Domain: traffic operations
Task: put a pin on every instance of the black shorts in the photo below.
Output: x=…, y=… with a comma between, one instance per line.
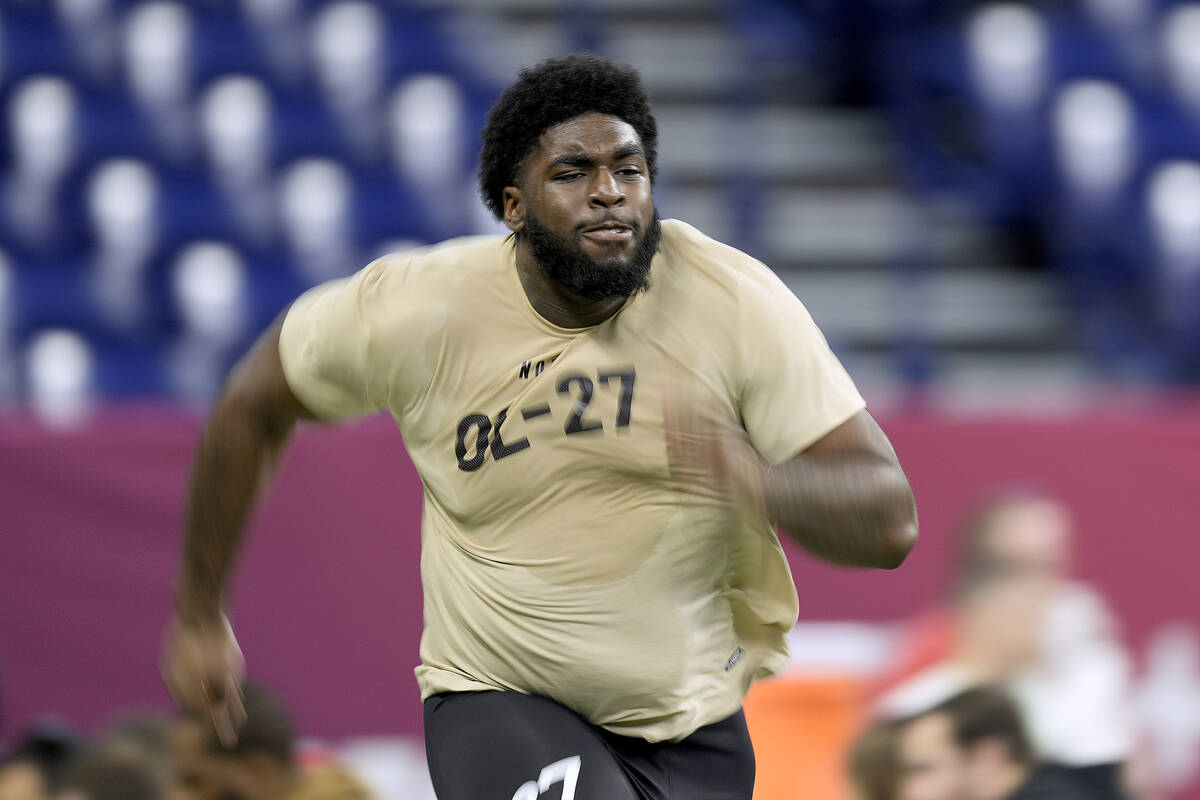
x=510, y=746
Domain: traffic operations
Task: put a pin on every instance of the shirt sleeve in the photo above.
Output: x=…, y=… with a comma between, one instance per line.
x=324, y=346
x=794, y=389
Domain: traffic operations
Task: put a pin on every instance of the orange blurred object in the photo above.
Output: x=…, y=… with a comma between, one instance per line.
x=802, y=728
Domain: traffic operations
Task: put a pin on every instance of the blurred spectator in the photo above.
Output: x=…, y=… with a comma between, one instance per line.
x=1168, y=704
x=145, y=733
x=974, y=747
x=330, y=783
x=196, y=776
x=1016, y=618
x=872, y=762
x=115, y=770
x=34, y=769
x=261, y=766
x=21, y=780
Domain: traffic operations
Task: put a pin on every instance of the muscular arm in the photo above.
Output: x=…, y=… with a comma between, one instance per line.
x=238, y=451
x=846, y=499
x=242, y=441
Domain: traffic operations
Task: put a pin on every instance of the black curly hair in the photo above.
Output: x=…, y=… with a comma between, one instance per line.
x=554, y=91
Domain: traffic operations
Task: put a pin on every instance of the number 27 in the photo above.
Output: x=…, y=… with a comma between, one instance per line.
x=576, y=423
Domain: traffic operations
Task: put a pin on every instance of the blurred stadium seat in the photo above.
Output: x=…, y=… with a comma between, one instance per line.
x=61, y=374
x=1099, y=93
x=208, y=287
x=315, y=201
x=235, y=124
x=944, y=148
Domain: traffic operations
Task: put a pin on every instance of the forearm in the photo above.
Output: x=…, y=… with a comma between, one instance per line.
x=850, y=508
x=234, y=460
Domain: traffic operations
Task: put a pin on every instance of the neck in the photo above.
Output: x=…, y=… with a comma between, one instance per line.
x=554, y=302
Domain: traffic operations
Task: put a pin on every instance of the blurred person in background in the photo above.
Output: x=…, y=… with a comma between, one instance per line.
x=974, y=747
x=609, y=415
x=34, y=768
x=1017, y=618
x=262, y=765
x=21, y=780
x=872, y=762
x=145, y=733
x=196, y=773
x=116, y=769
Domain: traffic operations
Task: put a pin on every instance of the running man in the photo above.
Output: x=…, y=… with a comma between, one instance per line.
x=609, y=415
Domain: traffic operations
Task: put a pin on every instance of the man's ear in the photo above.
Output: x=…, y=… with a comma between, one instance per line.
x=514, y=209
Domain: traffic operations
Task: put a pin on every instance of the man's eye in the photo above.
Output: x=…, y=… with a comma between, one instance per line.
x=629, y=171
x=568, y=176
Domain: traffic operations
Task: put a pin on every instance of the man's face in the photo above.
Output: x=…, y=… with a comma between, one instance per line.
x=585, y=204
x=1033, y=537
x=931, y=765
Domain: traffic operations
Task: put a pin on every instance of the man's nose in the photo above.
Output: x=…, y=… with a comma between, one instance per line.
x=606, y=192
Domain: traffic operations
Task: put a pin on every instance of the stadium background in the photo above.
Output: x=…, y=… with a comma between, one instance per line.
x=992, y=210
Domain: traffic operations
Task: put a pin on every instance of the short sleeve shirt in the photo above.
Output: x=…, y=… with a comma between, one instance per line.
x=560, y=555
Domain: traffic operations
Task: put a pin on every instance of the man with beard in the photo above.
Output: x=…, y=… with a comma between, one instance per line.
x=609, y=415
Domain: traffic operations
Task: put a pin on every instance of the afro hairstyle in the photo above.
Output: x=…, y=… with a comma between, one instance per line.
x=553, y=92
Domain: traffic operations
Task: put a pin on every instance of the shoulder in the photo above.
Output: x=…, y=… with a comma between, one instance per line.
x=452, y=261
x=696, y=258
x=404, y=281
x=689, y=248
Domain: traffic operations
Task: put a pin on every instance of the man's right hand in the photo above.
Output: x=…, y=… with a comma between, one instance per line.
x=203, y=668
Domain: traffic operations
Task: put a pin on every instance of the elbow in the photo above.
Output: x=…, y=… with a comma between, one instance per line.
x=900, y=530
x=899, y=540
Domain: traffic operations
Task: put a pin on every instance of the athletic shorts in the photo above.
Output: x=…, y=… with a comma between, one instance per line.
x=510, y=746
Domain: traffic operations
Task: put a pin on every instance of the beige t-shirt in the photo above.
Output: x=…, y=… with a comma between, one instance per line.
x=559, y=556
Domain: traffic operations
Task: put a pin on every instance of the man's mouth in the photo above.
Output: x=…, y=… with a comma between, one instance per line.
x=609, y=232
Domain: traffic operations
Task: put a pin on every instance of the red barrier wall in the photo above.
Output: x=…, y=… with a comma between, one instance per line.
x=328, y=604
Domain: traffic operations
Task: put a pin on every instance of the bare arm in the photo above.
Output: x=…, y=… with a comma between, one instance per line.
x=846, y=499
x=241, y=444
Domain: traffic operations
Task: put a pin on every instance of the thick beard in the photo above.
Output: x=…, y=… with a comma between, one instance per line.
x=566, y=263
